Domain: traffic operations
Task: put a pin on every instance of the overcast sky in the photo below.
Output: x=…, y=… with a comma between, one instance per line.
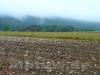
x=77, y=9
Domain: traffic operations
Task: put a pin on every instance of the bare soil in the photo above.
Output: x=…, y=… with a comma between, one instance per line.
x=27, y=56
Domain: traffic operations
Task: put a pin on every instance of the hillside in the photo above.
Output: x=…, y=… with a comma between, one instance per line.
x=55, y=24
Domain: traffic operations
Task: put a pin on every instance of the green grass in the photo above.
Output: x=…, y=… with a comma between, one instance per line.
x=56, y=35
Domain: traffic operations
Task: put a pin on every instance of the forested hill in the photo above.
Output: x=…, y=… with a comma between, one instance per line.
x=55, y=24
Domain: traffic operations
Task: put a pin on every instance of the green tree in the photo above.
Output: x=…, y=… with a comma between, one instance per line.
x=6, y=28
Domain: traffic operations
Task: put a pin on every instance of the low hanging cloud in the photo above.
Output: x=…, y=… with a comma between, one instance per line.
x=78, y=9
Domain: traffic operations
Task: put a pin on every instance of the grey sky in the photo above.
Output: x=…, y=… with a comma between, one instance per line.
x=77, y=9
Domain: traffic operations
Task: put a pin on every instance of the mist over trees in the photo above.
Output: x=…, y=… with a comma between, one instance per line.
x=48, y=24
